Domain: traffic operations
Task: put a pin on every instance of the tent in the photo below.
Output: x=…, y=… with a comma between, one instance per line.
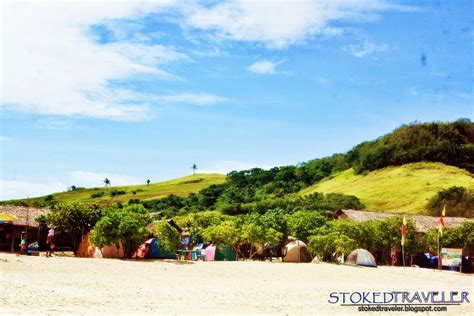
x=220, y=252
x=88, y=250
x=296, y=251
x=150, y=250
x=361, y=257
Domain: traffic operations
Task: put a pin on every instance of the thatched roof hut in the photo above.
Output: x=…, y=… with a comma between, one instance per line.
x=423, y=222
x=25, y=215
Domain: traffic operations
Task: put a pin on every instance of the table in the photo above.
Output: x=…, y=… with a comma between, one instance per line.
x=182, y=254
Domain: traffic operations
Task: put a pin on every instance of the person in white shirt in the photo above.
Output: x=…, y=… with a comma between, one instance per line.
x=50, y=242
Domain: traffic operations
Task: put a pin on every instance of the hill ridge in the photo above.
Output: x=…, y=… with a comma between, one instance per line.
x=396, y=189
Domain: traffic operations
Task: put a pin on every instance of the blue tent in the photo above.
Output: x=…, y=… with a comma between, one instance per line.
x=150, y=250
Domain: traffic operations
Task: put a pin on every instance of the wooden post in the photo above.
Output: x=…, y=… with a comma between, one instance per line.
x=26, y=228
x=440, y=264
x=403, y=255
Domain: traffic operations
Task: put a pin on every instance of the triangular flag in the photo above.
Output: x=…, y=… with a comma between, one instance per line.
x=441, y=221
x=404, y=230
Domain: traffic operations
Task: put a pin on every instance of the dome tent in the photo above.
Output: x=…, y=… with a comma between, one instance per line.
x=361, y=257
x=296, y=251
x=220, y=252
x=88, y=250
x=150, y=250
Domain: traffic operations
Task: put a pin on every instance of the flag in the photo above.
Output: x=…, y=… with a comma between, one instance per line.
x=441, y=221
x=404, y=230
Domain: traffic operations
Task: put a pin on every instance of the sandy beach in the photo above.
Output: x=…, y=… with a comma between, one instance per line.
x=65, y=285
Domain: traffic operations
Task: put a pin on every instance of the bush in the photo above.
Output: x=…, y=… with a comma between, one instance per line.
x=97, y=194
x=126, y=226
x=378, y=236
x=459, y=201
x=117, y=192
x=168, y=238
x=303, y=224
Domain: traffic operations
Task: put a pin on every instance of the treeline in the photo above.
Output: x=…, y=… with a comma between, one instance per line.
x=228, y=200
x=449, y=143
x=459, y=201
x=251, y=235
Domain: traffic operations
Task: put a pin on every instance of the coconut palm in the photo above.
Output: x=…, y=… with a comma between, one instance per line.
x=194, y=167
x=107, y=182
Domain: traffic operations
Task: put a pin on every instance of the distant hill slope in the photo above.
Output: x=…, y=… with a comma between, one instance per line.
x=401, y=189
x=181, y=187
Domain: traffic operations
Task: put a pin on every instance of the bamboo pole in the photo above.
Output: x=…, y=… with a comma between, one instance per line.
x=403, y=255
x=440, y=265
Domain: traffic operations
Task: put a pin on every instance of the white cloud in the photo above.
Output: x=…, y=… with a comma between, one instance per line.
x=21, y=188
x=366, y=48
x=18, y=189
x=224, y=167
x=55, y=124
x=5, y=139
x=282, y=23
x=53, y=66
x=263, y=67
x=193, y=98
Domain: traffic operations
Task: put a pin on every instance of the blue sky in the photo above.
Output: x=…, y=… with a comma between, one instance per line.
x=134, y=91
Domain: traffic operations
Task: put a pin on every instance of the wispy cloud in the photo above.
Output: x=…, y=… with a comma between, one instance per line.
x=17, y=189
x=193, y=98
x=5, y=139
x=366, y=48
x=264, y=67
x=55, y=124
x=23, y=188
x=279, y=24
x=55, y=67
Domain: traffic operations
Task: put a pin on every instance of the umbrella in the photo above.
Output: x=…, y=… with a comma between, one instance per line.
x=4, y=217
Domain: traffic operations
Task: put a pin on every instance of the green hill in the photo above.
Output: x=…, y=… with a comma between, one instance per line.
x=181, y=187
x=401, y=189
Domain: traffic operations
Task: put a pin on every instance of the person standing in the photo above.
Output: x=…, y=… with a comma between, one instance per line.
x=23, y=244
x=50, y=242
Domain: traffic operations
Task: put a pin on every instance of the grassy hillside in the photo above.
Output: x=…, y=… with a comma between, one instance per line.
x=402, y=189
x=181, y=187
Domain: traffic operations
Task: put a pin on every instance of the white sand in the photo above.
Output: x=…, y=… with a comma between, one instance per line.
x=61, y=285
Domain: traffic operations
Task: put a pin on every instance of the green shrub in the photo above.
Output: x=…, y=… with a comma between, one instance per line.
x=459, y=201
x=97, y=194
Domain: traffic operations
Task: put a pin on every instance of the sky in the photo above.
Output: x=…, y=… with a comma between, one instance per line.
x=133, y=90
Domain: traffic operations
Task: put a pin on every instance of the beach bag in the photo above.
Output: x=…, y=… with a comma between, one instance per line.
x=51, y=246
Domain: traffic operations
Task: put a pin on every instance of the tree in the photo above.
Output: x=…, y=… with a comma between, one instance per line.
x=302, y=224
x=259, y=237
x=194, y=167
x=459, y=201
x=73, y=219
x=122, y=227
x=331, y=246
x=148, y=182
x=168, y=238
x=107, y=182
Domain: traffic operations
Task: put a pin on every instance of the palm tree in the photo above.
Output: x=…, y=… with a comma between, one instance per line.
x=107, y=182
x=194, y=167
x=148, y=182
